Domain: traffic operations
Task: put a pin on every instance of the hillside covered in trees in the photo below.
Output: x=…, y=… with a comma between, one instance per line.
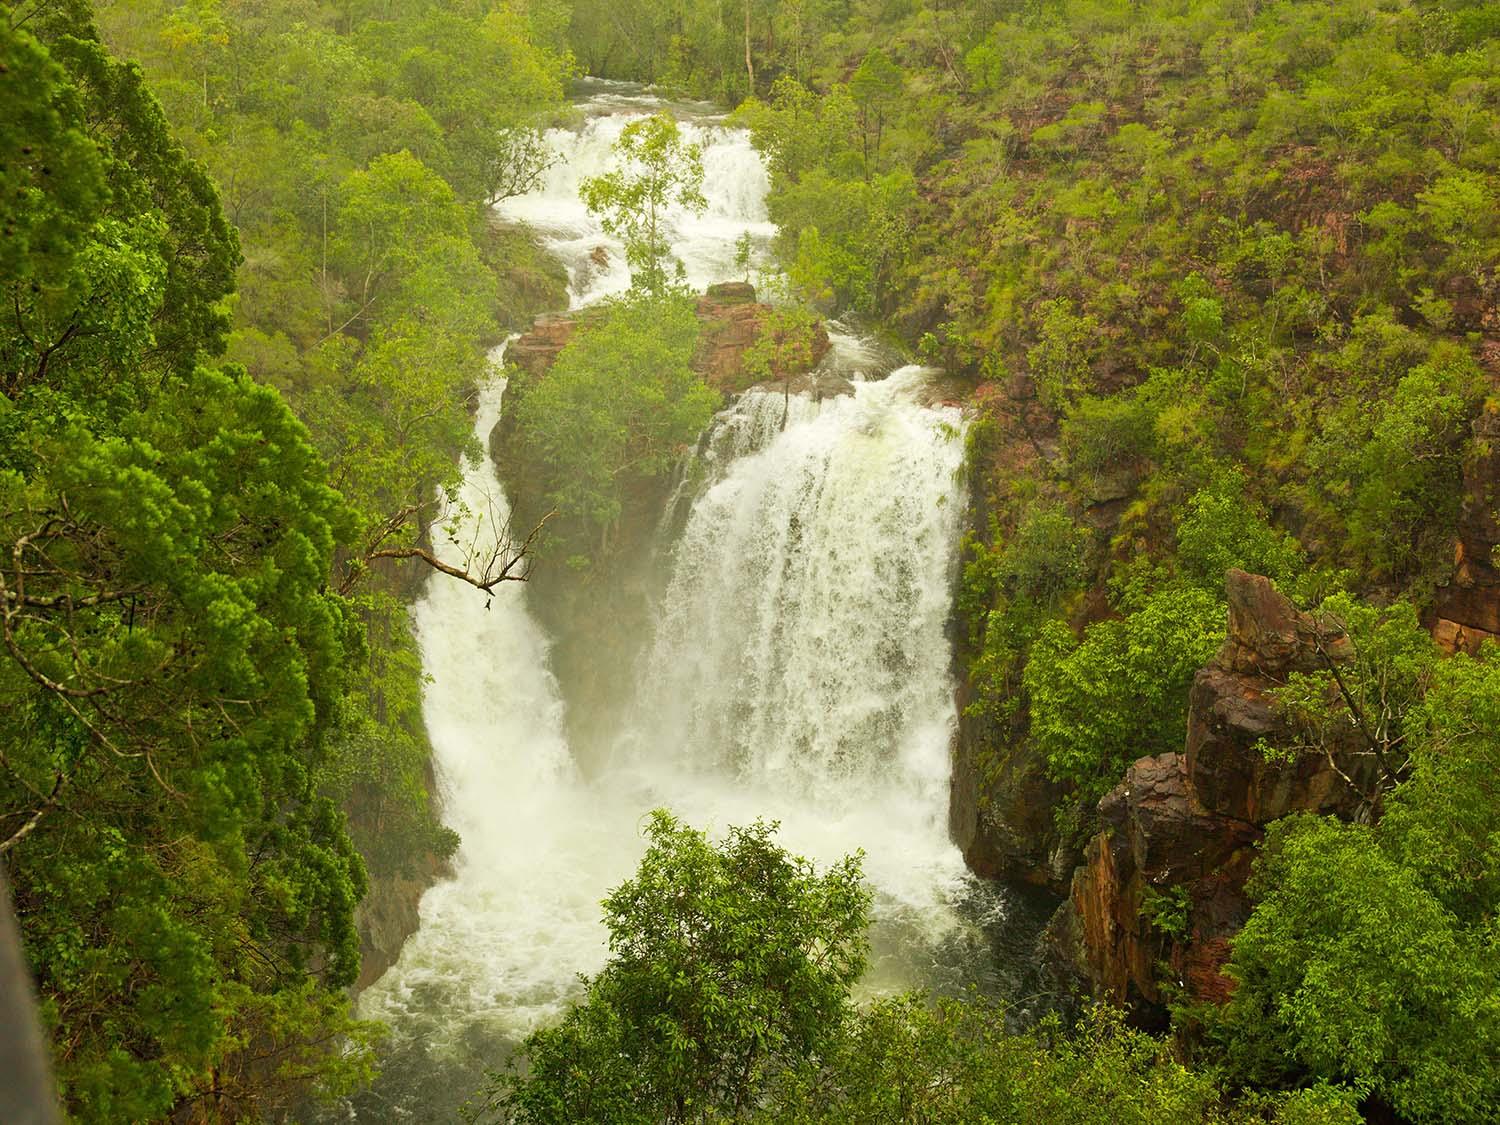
x=1217, y=287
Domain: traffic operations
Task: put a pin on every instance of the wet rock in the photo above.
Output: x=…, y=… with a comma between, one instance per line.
x=818, y=384
x=388, y=915
x=1269, y=636
x=1001, y=818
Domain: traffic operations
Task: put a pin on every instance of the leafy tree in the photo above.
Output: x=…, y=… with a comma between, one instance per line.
x=615, y=409
x=875, y=87
x=956, y=1062
x=729, y=962
x=1121, y=693
x=1369, y=690
x=632, y=202
x=1350, y=969
x=1370, y=956
x=1221, y=531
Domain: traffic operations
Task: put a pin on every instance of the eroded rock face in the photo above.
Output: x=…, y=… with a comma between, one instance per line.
x=535, y=351
x=1001, y=818
x=1468, y=608
x=1183, y=826
x=732, y=322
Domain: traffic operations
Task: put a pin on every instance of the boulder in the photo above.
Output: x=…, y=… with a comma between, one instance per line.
x=731, y=293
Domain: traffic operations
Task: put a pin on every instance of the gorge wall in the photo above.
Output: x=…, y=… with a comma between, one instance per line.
x=1179, y=832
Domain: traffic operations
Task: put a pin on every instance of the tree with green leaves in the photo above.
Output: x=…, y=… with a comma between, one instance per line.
x=729, y=962
x=727, y=998
x=616, y=409
x=660, y=171
x=1121, y=692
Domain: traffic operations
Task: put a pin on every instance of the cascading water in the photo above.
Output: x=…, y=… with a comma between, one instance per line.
x=799, y=672
x=800, y=665
x=734, y=184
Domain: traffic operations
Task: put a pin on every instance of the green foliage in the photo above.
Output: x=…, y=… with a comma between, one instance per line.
x=660, y=170
x=727, y=998
x=955, y=1062
x=167, y=695
x=1169, y=911
x=187, y=700
x=1120, y=693
x=1351, y=969
x=786, y=340
x=1368, y=693
x=1221, y=531
x=729, y=963
x=615, y=409
x=1370, y=958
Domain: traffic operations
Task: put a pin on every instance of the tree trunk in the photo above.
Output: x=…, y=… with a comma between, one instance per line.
x=749, y=63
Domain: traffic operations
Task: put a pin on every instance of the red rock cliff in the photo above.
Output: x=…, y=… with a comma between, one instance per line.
x=1181, y=828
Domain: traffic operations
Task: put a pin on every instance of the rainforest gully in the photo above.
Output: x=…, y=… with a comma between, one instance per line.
x=776, y=560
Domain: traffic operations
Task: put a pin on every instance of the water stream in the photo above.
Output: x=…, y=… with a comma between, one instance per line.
x=799, y=671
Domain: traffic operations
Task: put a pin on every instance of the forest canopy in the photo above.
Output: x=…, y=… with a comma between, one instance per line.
x=1217, y=284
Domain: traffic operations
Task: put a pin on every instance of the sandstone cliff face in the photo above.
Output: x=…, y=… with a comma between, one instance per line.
x=1181, y=828
x=1468, y=608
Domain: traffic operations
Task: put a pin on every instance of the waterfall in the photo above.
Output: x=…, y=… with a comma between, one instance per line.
x=799, y=672
x=501, y=942
x=800, y=665
x=735, y=184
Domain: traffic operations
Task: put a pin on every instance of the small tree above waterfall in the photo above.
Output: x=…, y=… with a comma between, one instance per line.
x=658, y=169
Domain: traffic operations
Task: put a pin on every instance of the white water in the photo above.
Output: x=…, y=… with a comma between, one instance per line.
x=734, y=183
x=799, y=672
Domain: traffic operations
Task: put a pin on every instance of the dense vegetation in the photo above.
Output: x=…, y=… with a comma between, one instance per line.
x=1223, y=278
x=222, y=426
x=726, y=998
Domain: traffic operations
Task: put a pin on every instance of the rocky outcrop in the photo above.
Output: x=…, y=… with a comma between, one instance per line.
x=385, y=918
x=1468, y=607
x=1001, y=817
x=1162, y=884
x=535, y=350
x=731, y=322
